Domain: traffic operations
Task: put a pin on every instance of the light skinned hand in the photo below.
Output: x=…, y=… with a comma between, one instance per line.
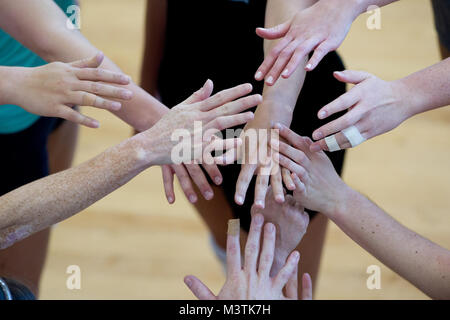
x=53, y=89
x=251, y=280
x=291, y=222
x=177, y=128
x=374, y=107
x=320, y=28
x=318, y=186
x=189, y=173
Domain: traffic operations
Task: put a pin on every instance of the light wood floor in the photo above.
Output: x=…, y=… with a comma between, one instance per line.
x=134, y=245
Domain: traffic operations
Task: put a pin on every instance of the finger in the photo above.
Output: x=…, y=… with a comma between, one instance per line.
x=275, y=32
x=228, y=157
x=252, y=245
x=271, y=57
x=341, y=140
x=69, y=114
x=277, y=185
x=200, y=180
x=220, y=145
x=291, y=137
x=306, y=287
x=321, y=51
x=96, y=74
x=300, y=189
x=88, y=99
x=286, y=174
x=233, y=247
x=262, y=182
x=167, y=174
x=268, y=250
x=213, y=172
x=225, y=96
x=225, y=122
x=347, y=120
x=91, y=62
x=294, y=154
x=245, y=176
x=352, y=76
x=283, y=59
x=104, y=90
x=292, y=285
x=293, y=167
x=185, y=182
x=286, y=272
x=344, y=102
x=299, y=55
x=199, y=290
x=235, y=107
x=201, y=94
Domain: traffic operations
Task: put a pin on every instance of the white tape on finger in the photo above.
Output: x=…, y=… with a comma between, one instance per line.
x=353, y=136
x=332, y=143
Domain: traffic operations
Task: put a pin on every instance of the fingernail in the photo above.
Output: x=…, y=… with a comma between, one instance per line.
x=269, y=80
x=170, y=199
x=270, y=227
x=318, y=135
x=116, y=105
x=126, y=94
x=315, y=147
x=259, y=203
x=285, y=72
x=291, y=186
x=188, y=282
x=239, y=200
x=295, y=255
x=95, y=124
x=279, y=199
x=192, y=199
x=125, y=79
x=258, y=219
x=322, y=114
x=258, y=75
x=208, y=195
x=308, y=66
x=218, y=180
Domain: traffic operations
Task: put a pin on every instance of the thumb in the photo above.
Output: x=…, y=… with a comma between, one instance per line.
x=93, y=62
x=274, y=32
x=202, y=94
x=198, y=288
x=351, y=76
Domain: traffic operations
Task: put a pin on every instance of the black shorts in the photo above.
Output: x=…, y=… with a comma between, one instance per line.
x=216, y=39
x=24, y=154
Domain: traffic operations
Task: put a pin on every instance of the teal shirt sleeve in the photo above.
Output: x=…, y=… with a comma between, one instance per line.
x=13, y=54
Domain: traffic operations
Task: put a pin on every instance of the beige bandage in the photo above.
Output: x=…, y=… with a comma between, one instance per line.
x=233, y=227
x=332, y=143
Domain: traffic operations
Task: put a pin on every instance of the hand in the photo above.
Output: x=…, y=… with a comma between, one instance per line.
x=317, y=185
x=257, y=159
x=375, y=107
x=252, y=281
x=291, y=222
x=186, y=134
x=320, y=28
x=52, y=90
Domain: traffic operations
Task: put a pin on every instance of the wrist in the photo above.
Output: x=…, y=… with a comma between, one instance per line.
x=410, y=100
x=10, y=79
x=271, y=112
x=344, y=200
x=144, y=148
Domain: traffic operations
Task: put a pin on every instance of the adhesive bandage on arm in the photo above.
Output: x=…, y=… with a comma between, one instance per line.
x=353, y=136
x=332, y=143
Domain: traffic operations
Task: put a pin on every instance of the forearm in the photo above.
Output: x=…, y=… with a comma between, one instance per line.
x=53, y=41
x=42, y=203
x=281, y=98
x=154, y=43
x=426, y=89
x=361, y=6
x=422, y=262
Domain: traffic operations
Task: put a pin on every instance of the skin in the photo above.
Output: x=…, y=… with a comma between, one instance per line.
x=291, y=222
x=420, y=261
x=252, y=280
x=42, y=203
x=52, y=90
x=320, y=28
x=377, y=106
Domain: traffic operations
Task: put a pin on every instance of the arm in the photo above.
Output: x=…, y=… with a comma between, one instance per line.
x=42, y=203
x=321, y=28
x=53, y=41
x=318, y=187
x=378, y=106
x=278, y=105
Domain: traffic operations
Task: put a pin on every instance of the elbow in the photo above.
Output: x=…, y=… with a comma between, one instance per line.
x=9, y=236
